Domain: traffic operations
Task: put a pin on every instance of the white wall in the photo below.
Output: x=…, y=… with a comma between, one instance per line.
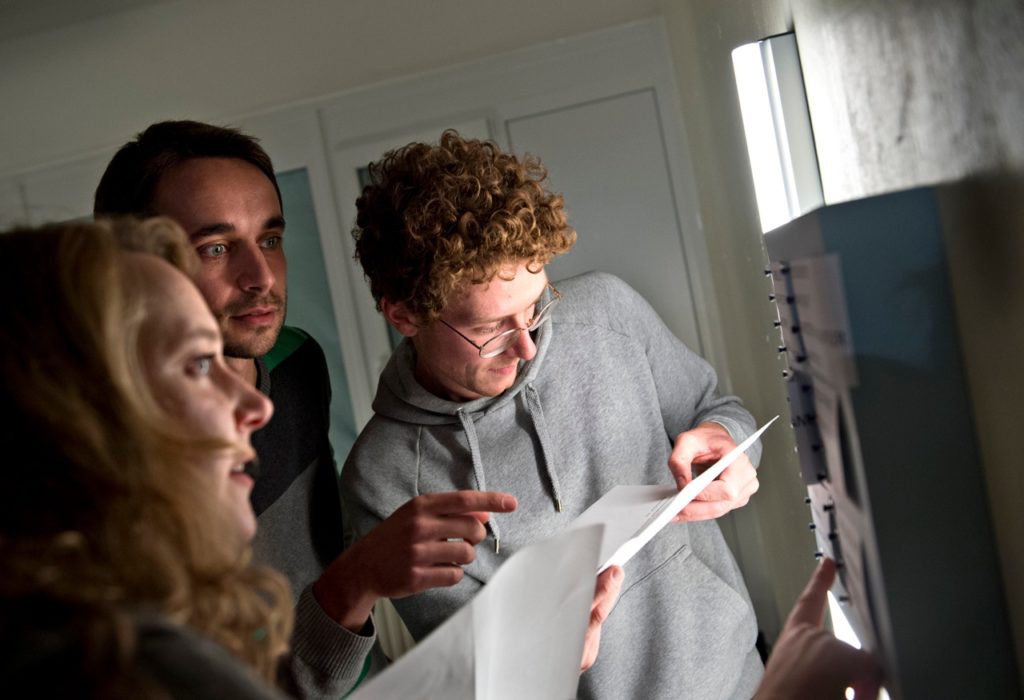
x=91, y=86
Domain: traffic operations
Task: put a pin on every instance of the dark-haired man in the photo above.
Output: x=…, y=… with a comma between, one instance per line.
x=219, y=184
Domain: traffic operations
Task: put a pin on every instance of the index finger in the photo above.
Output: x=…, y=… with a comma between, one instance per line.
x=460, y=502
x=810, y=606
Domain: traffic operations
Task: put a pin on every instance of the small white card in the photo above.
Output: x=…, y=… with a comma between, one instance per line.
x=632, y=515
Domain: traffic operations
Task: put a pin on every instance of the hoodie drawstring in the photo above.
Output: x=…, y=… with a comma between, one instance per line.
x=536, y=413
x=533, y=407
x=478, y=471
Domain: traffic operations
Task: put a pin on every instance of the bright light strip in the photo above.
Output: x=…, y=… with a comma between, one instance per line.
x=760, y=130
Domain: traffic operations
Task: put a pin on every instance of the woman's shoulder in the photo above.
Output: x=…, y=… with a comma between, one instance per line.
x=188, y=665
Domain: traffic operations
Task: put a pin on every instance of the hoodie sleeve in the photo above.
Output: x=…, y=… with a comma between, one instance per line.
x=686, y=383
x=379, y=476
x=326, y=660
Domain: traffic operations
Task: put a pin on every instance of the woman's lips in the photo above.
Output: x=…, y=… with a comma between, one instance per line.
x=242, y=479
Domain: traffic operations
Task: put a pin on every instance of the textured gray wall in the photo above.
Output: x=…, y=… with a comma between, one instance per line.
x=902, y=93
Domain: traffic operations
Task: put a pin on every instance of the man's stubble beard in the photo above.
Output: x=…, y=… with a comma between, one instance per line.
x=260, y=341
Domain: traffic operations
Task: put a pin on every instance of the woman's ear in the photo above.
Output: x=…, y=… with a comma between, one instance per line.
x=400, y=318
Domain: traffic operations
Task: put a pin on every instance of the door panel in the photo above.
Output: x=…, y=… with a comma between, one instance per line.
x=309, y=299
x=608, y=158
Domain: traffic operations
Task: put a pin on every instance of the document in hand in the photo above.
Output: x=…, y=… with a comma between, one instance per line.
x=632, y=515
x=520, y=637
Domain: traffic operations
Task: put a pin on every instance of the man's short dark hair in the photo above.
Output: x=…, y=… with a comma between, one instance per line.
x=131, y=178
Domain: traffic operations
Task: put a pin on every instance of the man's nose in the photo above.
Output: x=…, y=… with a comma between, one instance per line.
x=524, y=347
x=253, y=270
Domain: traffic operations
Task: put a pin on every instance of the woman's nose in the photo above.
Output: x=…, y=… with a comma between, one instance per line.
x=252, y=409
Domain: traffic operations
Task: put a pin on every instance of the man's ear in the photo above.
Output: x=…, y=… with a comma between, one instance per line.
x=401, y=319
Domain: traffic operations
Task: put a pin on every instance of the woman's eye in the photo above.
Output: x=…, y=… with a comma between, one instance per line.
x=201, y=366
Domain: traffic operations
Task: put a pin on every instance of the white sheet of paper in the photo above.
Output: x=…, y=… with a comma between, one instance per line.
x=632, y=515
x=520, y=637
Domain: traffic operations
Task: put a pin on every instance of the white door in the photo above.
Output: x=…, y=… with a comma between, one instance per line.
x=608, y=159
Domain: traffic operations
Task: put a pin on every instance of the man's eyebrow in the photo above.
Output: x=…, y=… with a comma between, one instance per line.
x=274, y=222
x=211, y=230
x=502, y=318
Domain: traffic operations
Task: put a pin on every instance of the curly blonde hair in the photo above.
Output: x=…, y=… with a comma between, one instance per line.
x=434, y=217
x=111, y=517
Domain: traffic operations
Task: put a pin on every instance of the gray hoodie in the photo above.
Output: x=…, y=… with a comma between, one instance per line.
x=599, y=405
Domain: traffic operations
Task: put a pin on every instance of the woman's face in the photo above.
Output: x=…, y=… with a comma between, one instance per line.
x=182, y=354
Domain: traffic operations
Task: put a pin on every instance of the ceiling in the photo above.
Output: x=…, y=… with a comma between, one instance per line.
x=20, y=18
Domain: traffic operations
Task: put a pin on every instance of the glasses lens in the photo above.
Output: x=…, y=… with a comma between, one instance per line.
x=499, y=343
x=543, y=315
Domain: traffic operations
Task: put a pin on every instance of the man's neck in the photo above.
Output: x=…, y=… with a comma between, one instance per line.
x=245, y=367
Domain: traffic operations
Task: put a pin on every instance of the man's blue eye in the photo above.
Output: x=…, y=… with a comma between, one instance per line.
x=214, y=250
x=272, y=242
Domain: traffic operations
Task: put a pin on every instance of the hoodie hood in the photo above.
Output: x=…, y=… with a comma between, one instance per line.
x=401, y=397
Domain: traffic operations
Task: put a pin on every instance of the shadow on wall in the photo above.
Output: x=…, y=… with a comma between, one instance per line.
x=984, y=224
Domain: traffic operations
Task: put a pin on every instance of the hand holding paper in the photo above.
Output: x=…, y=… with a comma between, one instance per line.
x=606, y=594
x=703, y=446
x=522, y=636
x=632, y=515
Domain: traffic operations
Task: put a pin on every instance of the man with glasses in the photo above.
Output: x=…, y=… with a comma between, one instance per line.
x=556, y=396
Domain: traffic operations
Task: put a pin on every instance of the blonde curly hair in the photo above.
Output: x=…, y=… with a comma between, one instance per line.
x=434, y=217
x=112, y=517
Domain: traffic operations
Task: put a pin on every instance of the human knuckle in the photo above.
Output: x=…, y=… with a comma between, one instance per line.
x=418, y=505
x=418, y=554
x=419, y=530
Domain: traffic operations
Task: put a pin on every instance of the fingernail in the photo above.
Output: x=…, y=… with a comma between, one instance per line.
x=616, y=574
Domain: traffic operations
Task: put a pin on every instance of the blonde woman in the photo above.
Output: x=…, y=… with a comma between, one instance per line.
x=124, y=536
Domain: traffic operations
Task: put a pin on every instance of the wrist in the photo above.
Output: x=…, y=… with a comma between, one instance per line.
x=717, y=427
x=344, y=594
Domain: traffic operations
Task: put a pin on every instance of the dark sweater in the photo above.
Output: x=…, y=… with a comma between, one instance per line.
x=296, y=495
x=299, y=512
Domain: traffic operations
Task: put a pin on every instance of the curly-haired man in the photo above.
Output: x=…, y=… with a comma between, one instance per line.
x=552, y=394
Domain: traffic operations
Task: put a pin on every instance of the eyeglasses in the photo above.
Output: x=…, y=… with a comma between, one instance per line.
x=504, y=340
